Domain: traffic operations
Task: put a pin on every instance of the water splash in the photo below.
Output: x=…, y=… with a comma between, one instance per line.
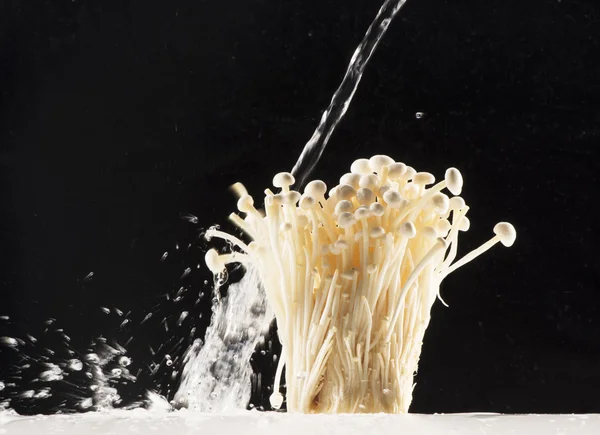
x=345, y=92
x=217, y=375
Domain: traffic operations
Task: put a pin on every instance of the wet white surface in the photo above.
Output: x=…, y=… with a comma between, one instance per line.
x=183, y=422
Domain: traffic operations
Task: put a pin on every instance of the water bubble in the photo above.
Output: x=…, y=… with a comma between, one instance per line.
x=124, y=361
x=124, y=323
x=86, y=403
x=31, y=338
x=118, y=312
x=419, y=115
x=387, y=391
x=147, y=317
x=2, y=386
x=75, y=365
x=89, y=375
x=164, y=256
x=105, y=310
x=88, y=277
x=301, y=375
x=9, y=342
x=93, y=387
x=4, y=318
x=116, y=372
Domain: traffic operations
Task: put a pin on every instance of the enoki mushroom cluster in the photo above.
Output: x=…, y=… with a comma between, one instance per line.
x=351, y=277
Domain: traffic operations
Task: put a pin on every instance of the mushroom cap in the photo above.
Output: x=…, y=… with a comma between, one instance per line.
x=377, y=162
x=283, y=179
x=454, y=181
x=316, y=188
x=213, y=261
x=506, y=232
x=346, y=219
x=245, y=204
x=408, y=230
x=396, y=170
x=360, y=166
x=423, y=178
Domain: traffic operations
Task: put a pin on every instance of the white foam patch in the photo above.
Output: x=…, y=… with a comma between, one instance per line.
x=185, y=422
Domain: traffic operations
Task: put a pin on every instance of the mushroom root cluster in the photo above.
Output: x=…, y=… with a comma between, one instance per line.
x=351, y=275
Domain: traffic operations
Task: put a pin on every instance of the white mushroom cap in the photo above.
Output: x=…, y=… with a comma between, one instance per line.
x=408, y=230
x=307, y=202
x=365, y=196
x=343, y=206
x=423, y=178
x=377, y=209
x=346, y=219
x=360, y=166
x=351, y=179
x=276, y=400
x=393, y=198
x=362, y=212
x=377, y=162
x=370, y=181
x=345, y=191
x=440, y=202
x=245, y=204
x=396, y=170
x=506, y=232
x=283, y=180
x=464, y=224
x=214, y=262
x=454, y=181
x=316, y=188
x=291, y=198
x=456, y=203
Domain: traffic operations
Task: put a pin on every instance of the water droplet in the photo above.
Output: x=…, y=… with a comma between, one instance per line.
x=189, y=217
x=182, y=317
x=301, y=375
x=124, y=361
x=27, y=394
x=387, y=391
x=185, y=273
x=75, y=365
x=8, y=341
x=42, y=394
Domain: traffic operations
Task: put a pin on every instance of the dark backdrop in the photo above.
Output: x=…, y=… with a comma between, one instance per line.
x=118, y=118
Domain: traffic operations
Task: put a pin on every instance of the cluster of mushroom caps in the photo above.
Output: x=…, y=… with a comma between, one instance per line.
x=351, y=275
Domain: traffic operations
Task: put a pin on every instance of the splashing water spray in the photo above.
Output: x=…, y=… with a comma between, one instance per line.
x=351, y=275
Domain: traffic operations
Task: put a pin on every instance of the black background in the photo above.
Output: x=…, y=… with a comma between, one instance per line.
x=118, y=116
